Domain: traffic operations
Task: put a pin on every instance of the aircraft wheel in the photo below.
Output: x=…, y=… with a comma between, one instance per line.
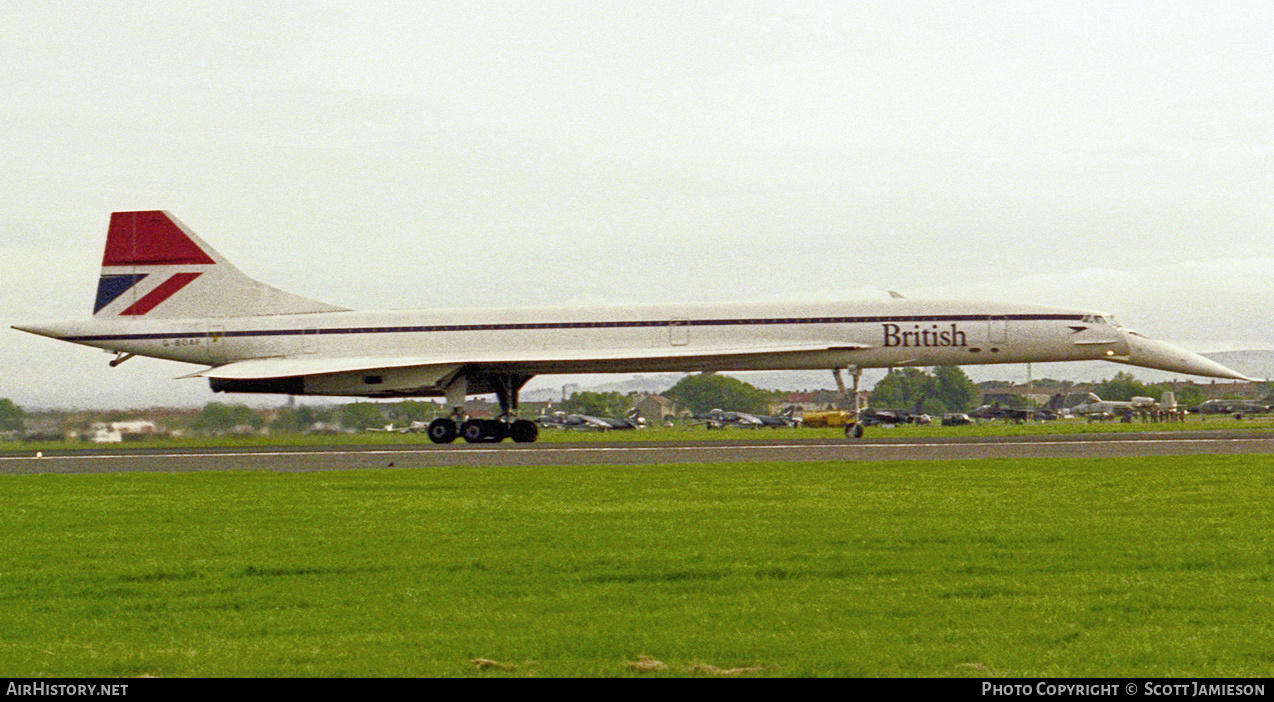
x=524, y=431
x=854, y=431
x=473, y=431
x=495, y=430
x=442, y=431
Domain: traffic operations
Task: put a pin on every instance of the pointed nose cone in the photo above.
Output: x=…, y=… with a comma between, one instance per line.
x=55, y=331
x=65, y=331
x=1149, y=353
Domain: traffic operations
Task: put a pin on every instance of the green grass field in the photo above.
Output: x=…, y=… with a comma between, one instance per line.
x=1121, y=567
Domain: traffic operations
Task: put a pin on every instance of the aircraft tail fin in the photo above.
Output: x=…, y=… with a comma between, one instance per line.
x=154, y=267
x=1056, y=402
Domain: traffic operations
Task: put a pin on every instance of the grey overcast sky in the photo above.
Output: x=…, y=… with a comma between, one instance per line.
x=1107, y=155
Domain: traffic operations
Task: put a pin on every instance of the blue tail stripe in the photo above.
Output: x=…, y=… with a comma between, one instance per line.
x=110, y=287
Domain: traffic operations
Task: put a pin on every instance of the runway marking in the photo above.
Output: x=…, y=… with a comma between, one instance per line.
x=613, y=449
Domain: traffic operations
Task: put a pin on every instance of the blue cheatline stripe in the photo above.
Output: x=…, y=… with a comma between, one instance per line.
x=110, y=287
x=893, y=319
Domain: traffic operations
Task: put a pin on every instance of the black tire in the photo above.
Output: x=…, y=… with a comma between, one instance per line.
x=442, y=431
x=524, y=431
x=472, y=431
x=495, y=430
x=854, y=431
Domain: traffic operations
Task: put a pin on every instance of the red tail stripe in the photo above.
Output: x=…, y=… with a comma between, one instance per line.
x=149, y=239
x=165, y=290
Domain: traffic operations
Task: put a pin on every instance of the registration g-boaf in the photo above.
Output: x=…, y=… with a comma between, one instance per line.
x=165, y=293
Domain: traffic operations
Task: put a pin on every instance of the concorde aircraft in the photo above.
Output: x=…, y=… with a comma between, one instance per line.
x=165, y=293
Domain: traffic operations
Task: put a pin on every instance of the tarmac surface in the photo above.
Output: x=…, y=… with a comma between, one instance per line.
x=296, y=459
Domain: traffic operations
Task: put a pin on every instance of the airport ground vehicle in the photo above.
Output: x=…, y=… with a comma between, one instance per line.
x=828, y=418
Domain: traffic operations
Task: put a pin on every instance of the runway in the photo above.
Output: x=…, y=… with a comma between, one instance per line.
x=550, y=454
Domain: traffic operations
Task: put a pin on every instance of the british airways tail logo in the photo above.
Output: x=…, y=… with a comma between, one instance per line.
x=111, y=286
x=145, y=239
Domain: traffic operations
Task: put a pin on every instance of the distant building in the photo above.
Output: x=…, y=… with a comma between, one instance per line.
x=535, y=408
x=114, y=432
x=481, y=408
x=102, y=433
x=1217, y=389
x=653, y=408
x=41, y=427
x=812, y=400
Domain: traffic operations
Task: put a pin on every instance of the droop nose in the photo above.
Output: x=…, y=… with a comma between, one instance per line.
x=1150, y=353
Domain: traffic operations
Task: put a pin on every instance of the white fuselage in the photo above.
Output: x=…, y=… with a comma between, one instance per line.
x=639, y=339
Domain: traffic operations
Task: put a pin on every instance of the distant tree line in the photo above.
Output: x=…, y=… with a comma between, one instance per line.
x=597, y=404
x=11, y=416
x=947, y=389
x=218, y=417
x=1124, y=386
x=705, y=392
x=298, y=419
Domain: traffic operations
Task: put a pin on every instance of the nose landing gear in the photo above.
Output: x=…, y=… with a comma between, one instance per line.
x=854, y=429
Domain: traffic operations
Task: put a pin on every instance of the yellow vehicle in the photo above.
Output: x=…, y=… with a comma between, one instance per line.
x=830, y=418
x=835, y=418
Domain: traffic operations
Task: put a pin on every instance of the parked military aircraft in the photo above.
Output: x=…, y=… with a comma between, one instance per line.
x=165, y=293
x=1018, y=415
x=631, y=420
x=1097, y=407
x=716, y=419
x=585, y=422
x=1232, y=407
x=556, y=420
x=787, y=418
x=746, y=419
x=872, y=417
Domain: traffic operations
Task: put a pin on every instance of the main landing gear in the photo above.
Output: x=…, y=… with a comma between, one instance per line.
x=477, y=431
x=444, y=430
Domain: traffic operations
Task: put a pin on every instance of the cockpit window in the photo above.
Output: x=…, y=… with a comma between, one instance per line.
x=1103, y=319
